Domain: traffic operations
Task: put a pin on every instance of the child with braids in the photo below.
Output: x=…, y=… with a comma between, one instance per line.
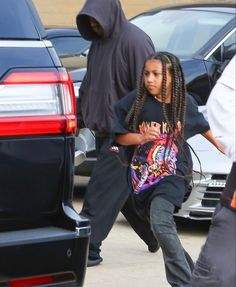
x=154, y=123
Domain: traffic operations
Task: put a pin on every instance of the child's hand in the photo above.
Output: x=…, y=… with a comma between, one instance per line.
x=148, y=135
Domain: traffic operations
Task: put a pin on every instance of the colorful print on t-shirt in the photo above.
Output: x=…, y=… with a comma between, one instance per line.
x=154, y=160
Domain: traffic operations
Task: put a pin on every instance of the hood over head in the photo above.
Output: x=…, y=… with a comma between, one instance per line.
x=108, y=13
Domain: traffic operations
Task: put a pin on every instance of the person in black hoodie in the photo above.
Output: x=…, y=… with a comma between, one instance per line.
x=115, y=60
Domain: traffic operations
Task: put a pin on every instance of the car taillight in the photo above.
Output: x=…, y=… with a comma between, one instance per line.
x=46, y=280
x=37, y=102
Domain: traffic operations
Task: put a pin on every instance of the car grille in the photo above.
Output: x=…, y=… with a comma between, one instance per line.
x=211, y=195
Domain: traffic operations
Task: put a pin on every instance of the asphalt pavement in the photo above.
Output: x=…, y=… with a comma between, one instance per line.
x=126, y=260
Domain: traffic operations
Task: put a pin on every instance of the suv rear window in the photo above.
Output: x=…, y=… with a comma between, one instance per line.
x=20, y=25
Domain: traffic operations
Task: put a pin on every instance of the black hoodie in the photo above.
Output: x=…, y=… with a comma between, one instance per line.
x=114, y=62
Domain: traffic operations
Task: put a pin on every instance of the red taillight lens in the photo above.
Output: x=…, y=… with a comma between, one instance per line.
x=37, y=102
x=29, y=282
x=22, y=77
x=47, y=280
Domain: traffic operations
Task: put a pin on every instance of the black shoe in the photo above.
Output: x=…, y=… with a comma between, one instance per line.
x=94, y=261
x=153, y=248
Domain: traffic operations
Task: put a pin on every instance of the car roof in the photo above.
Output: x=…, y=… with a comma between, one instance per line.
x=53, y=32
x=211, y=7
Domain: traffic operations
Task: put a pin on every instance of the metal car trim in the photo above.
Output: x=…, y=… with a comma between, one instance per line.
x=24, y=44
x=83, y=231
x=48, y=43
x=200, y=209
x=218, y=45
x=80, y=157
x=210, y=198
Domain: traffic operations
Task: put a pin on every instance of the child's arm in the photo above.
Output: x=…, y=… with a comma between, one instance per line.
x=137, y=138
x=209, y=136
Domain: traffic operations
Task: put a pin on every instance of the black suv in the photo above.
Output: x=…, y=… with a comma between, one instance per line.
x=43, y=241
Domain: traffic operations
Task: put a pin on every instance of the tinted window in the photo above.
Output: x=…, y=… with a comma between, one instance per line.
x=17, y=20
x=69, y=45
x=182, y=32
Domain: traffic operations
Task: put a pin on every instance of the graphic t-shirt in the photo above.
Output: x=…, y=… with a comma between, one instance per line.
x=161, y=167
x=153, y=161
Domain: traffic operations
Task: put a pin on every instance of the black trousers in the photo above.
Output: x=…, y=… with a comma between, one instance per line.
x=107, y=194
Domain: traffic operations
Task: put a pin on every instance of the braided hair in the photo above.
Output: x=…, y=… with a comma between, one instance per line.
x=175, y=119
x=178, y=94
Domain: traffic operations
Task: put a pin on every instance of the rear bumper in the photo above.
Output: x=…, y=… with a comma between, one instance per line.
x=49, y=250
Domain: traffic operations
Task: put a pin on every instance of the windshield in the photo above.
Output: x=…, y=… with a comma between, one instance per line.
x=181, y=32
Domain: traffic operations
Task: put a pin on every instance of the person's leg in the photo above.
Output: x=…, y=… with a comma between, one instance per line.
x=216, y=264
x=140, y=225
x=177, y=261
x=106, y=193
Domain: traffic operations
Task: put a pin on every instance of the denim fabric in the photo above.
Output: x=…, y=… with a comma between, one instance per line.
x=178, y=263
x=216, y=265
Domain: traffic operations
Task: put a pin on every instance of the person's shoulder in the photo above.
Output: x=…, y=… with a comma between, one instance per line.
x=191, y=104
x=190, y=100
x=134, y=33
x=128, y=99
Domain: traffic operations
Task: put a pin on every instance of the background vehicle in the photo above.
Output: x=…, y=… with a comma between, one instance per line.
x=43, y=241
x=203, y=37
x=69, y=45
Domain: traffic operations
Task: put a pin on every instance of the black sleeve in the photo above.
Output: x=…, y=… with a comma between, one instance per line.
x=139, y=56
x=121, y=109
x=195, y=123
x=80, y=122
x=139, y=47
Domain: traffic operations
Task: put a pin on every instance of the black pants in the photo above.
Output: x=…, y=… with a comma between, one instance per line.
x=107, y=194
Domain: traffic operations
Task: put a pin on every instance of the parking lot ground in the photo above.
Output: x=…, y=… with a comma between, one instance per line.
x=126, y=260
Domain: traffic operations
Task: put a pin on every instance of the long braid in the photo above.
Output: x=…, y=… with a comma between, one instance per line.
x=131, y=120
x=164, y=92
x=178, y=100
x=178, y=95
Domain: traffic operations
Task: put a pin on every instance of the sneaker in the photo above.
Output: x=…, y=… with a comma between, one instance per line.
x=94, y=261
x=153, y=247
